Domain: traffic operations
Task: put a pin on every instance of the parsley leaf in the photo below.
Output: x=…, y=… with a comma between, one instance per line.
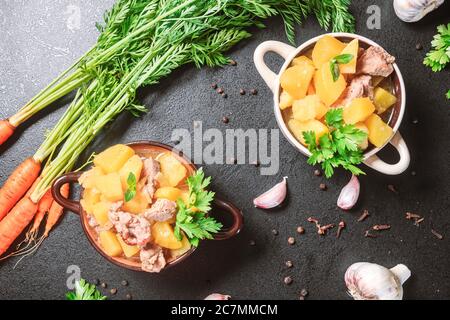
x=192, y=218
x=131, y=190
x=340, y=148
x=334, y=64
x=84, y=291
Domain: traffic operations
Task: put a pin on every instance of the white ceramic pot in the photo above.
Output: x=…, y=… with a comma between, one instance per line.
x=273, y=81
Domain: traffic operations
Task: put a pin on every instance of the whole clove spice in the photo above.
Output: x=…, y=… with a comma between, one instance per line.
x=113, y=291
x=219, y=90
x=304, y=292
x=214, y=86
x=313, y=220
x=322, y=230
x=274, y=232
x=437, y=234
x=254, y=92
x=341, y=226
x=323, y=186
x=225, y=119
x=300, y=230
x=381, y=227
x=317, y=173
x=224, y=95
x=289, y=264
x=291, y=240
x=363, y=216
x=411, y=216
x=242, y=92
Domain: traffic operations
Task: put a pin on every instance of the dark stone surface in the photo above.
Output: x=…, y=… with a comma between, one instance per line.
x=36, y=43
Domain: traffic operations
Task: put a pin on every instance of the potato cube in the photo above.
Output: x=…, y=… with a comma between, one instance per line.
x=100, y=211
x=133, y=165
x=358, y=110
x=297, y=128
x=128, y=251
x=163, y=235
x=352, y=48
x=326, y=88
x=302, y=61
x=186, y=246
x=295, y=80
x=285, y=100
x=136, y=205
x=90, y=198
x=379, y=131
x=326, y=49
x=383, y=100
x=87, y=179
x=110, y=244
x=309, y=108
x=172, y=169
x=364, y=144
x=110, y=186
x=113, y=158
x=169, y=193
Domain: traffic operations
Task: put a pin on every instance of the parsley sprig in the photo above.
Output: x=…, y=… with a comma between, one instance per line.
x=192, y=218
x=339, y=148
x=84, y=291
x=439, y=56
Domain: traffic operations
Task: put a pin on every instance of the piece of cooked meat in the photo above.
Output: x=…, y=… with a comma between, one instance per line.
x=134, y=229
x=360, y=86
x=152, y=258
x=151, y=171
x=375, y=61
x=161, y=210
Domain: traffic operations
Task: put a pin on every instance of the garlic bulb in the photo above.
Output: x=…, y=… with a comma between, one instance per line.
x=414, y=10
x=349, y=194
x=218, y=296
x=273, y=197
x=370, y=281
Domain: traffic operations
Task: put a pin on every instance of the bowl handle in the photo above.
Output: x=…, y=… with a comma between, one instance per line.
x=279, y=48
x=392, y=169
x=68, y=204
x=238, y=220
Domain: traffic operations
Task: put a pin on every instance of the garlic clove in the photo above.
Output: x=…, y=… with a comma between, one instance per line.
x=217, y=296
x=273, y=197
x=402, y=272
x=370, y=281
x=414, y=10
x=349, y=194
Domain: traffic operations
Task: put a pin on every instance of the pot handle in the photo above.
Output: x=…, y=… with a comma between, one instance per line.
x=68, y=204
x=280, y=48
x=238, y=220
x=392, y=169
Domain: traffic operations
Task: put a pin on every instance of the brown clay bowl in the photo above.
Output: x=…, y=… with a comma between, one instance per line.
x=144, y=148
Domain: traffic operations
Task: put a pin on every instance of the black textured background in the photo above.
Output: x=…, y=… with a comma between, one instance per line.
x=36, y=43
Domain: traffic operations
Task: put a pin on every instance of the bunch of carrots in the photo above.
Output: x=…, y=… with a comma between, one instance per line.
x=140, y=42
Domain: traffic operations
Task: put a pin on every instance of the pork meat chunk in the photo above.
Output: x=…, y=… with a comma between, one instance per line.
x=360, y=86
x=152, y=258
x=151, y=171
x=375, y=61
x=134, y=229
x=161, y=210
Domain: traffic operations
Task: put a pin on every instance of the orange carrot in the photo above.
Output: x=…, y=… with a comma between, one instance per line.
x=6, y=130
x=17, y=184
x=43, y=207
x=17, y=220
x=56, y=211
